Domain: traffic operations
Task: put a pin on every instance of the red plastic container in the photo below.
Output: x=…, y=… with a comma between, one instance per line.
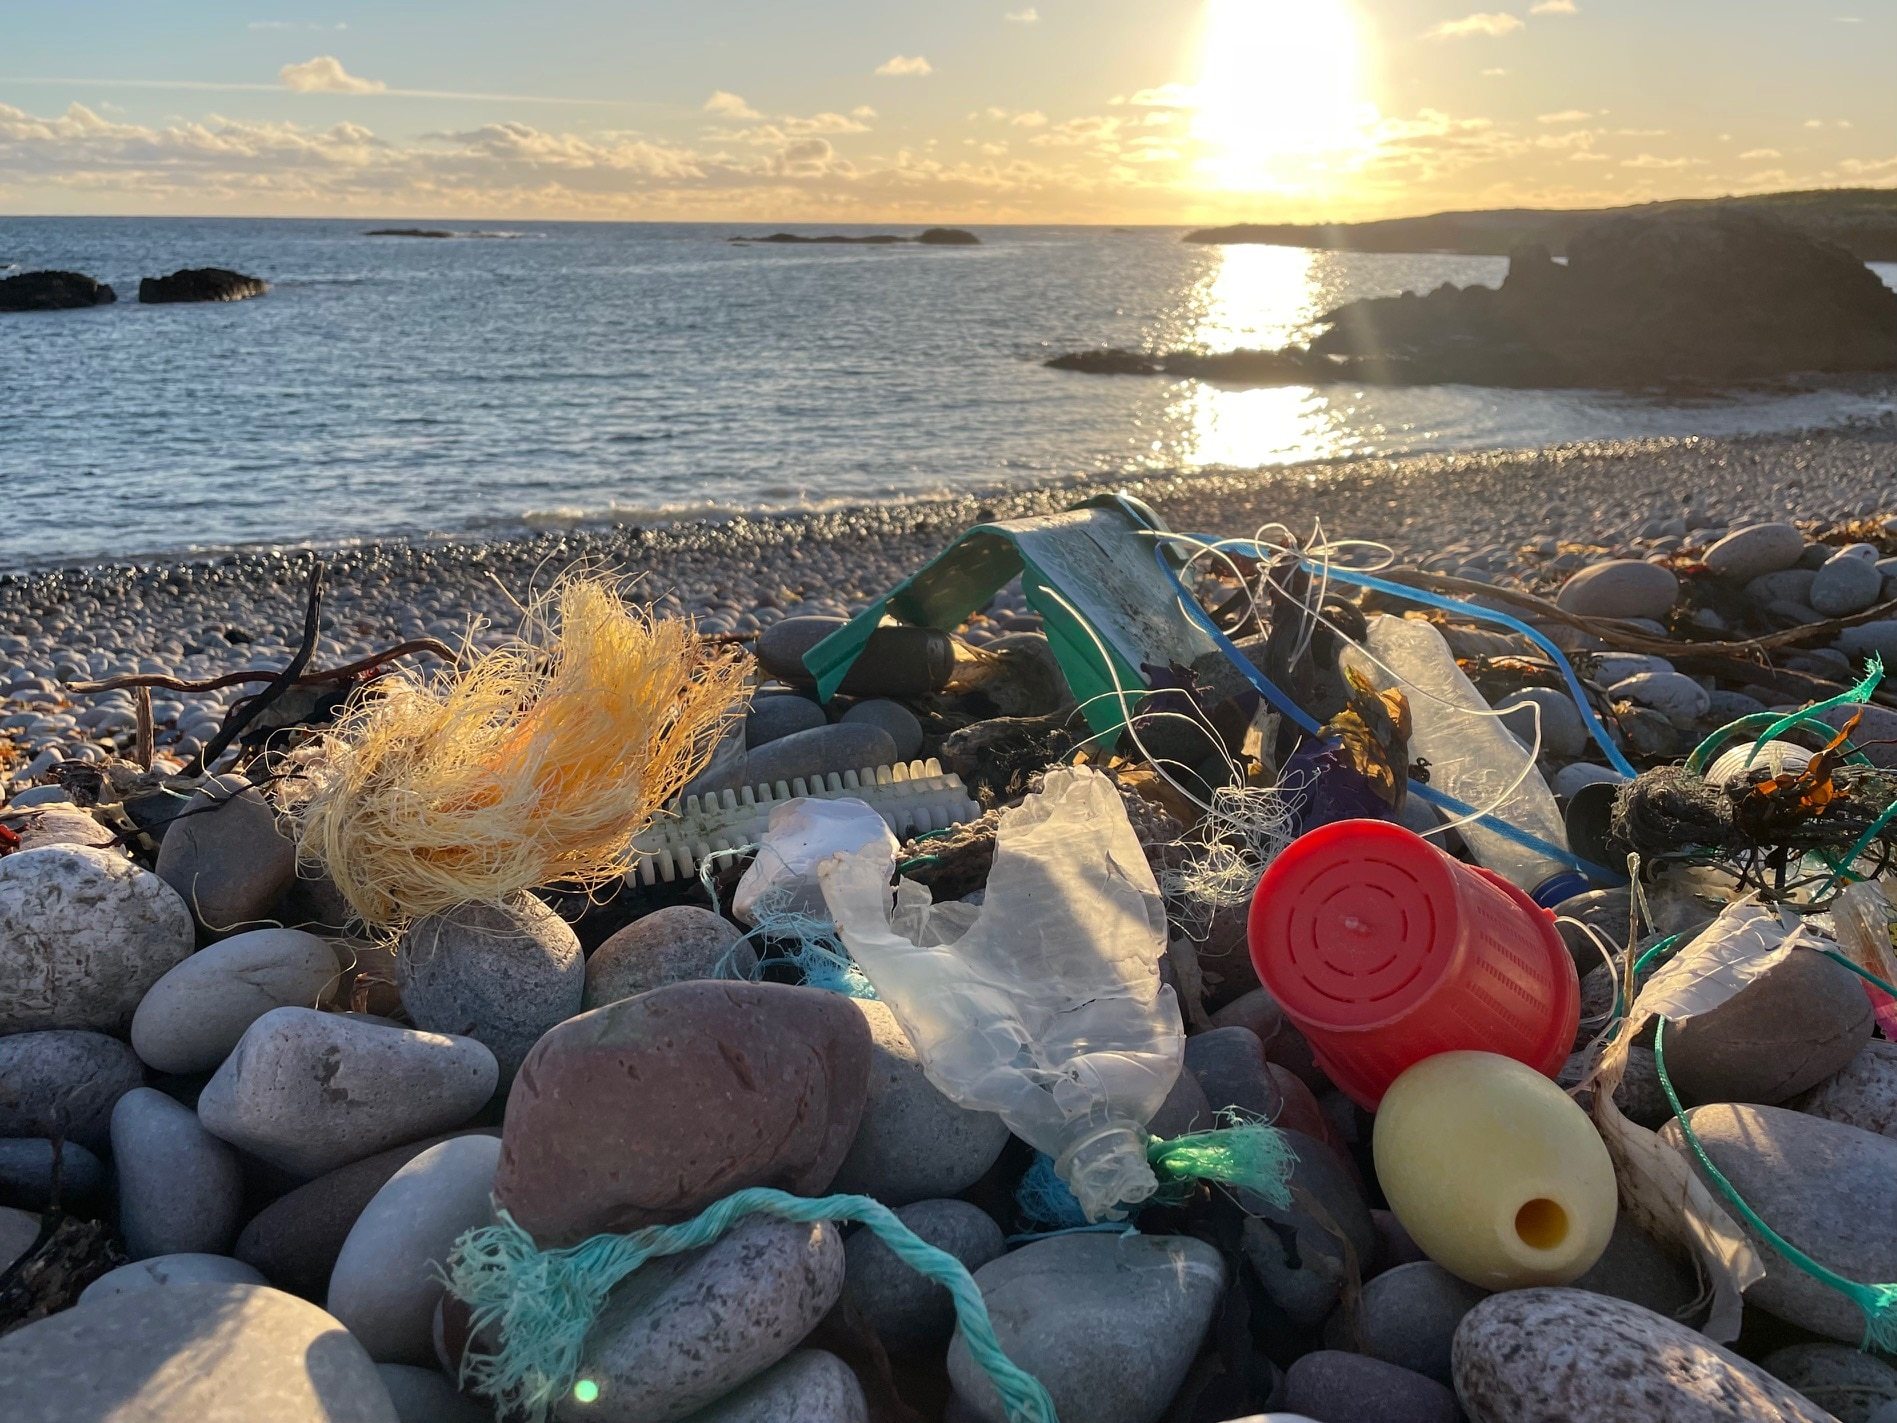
x=1384, y=951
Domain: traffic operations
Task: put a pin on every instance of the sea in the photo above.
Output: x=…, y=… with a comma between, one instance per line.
x=539, y=375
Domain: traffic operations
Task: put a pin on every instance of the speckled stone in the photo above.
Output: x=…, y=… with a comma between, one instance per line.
x=913, y=1144
x=385, y=1284
x=1544, y=1354
x=215, y=1353
x=670, y=945
x=1408, y=1317
x=1863, y=1094
x=180, y=1190
x=648, y=1110
x=226, y=856
x=501, y=974
x=428, y=1396
x=907, y=1310
x=1620, y=588
x=83, y=934
x=1306, y=1282
x=1350, y=1388
x=687, y=1330
x=810, y=1386
x=195, y=1014
x=772, y=718
x=26, y=1172
x=1798, y=1023
x=1849, y=1383
x=1821, y=1185
x=158, y=1271
x=309, y=1091
x=1755, y=550
x=893, y=717
x=1109, y=1324
x=64, y=1082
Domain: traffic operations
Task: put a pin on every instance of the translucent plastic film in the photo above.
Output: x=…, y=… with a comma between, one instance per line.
x=1043, y=1004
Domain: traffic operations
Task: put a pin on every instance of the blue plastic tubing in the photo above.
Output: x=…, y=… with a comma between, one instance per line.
x=1280, y=699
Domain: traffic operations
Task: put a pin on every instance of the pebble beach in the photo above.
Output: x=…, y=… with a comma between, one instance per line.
x=211, y=615
x=709, y=1150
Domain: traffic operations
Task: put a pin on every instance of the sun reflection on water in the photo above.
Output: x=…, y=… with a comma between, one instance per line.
x=1257, y=296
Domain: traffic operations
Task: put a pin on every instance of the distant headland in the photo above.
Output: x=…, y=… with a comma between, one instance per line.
x=1861, y=220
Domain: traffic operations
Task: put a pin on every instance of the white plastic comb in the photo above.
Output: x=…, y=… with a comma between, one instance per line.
x=913, y=798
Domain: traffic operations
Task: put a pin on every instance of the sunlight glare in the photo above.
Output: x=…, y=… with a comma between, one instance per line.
x=1279, y=102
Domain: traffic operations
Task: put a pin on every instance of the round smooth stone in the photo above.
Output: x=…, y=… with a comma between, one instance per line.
x=195, y=1014
x=158, y=1271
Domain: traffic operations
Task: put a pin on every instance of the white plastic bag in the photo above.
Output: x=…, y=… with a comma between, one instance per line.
x=799, y=836
x=1043, y=1003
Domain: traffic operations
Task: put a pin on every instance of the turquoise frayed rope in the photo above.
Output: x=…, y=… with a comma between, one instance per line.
x=1877, y=1303
x=542, y=1303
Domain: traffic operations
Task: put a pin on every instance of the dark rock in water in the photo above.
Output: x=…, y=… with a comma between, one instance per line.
x=1642, y=300
x=1108, y=361
x=932, y=237
x=200, y=284
x=53, y=291
x=407, y=232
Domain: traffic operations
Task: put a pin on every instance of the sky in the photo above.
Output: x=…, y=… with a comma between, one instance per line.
x=866, y=111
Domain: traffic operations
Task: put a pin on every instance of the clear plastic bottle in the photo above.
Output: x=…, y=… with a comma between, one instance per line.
x=1472, y=756
x=1044, y=1004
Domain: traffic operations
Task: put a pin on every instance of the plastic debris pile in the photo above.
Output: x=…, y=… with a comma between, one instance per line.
x=1269, y=980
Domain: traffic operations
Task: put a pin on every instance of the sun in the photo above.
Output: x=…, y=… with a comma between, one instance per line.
x=1279, y=104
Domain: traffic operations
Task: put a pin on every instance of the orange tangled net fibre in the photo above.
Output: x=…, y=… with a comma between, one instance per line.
x=532, y=764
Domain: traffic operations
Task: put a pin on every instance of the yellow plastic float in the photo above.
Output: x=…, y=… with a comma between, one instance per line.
x=1494, y=1171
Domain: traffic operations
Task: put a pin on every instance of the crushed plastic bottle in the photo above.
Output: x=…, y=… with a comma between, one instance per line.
x=1043, y=1004
x=1471, y=754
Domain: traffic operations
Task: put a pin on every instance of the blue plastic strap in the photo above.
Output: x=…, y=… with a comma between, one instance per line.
x=1282, y=700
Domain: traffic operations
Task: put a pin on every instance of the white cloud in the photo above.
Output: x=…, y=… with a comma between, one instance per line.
x=1588, y=156
x=1761, y=153
x=728, y=105
x=1565, y=116
x=1170, y=95
x=1493, y=73
x=825, y=123
x=1029, y=16
x=863, y=111
x=1492, y=23
x=325, y=75
x=1814, y=123
x=295, y=25
x=1031, y=118
x=1649, y=160
x=1554, y=7
x=905, y=66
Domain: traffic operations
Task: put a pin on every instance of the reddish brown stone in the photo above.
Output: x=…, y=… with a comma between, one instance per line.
x=647, y=1110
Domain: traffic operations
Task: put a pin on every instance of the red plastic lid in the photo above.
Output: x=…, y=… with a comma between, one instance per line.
x=1354, y=922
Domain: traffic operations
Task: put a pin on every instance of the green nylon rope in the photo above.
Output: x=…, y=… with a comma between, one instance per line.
x=1877, y=1303
x=1856, y=695
x=544, y=1302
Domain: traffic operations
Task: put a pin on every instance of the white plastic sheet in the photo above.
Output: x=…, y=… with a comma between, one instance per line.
x=799, y=836
x=1042, y=1004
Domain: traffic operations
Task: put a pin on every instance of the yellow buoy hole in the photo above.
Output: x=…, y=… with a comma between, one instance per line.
x=1541, y=1223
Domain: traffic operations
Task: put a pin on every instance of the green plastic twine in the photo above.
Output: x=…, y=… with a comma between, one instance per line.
x=1861, y=693
x=1702, y=754
x=544, y=1302
x=1877, y=1303
x=1252, y=1156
